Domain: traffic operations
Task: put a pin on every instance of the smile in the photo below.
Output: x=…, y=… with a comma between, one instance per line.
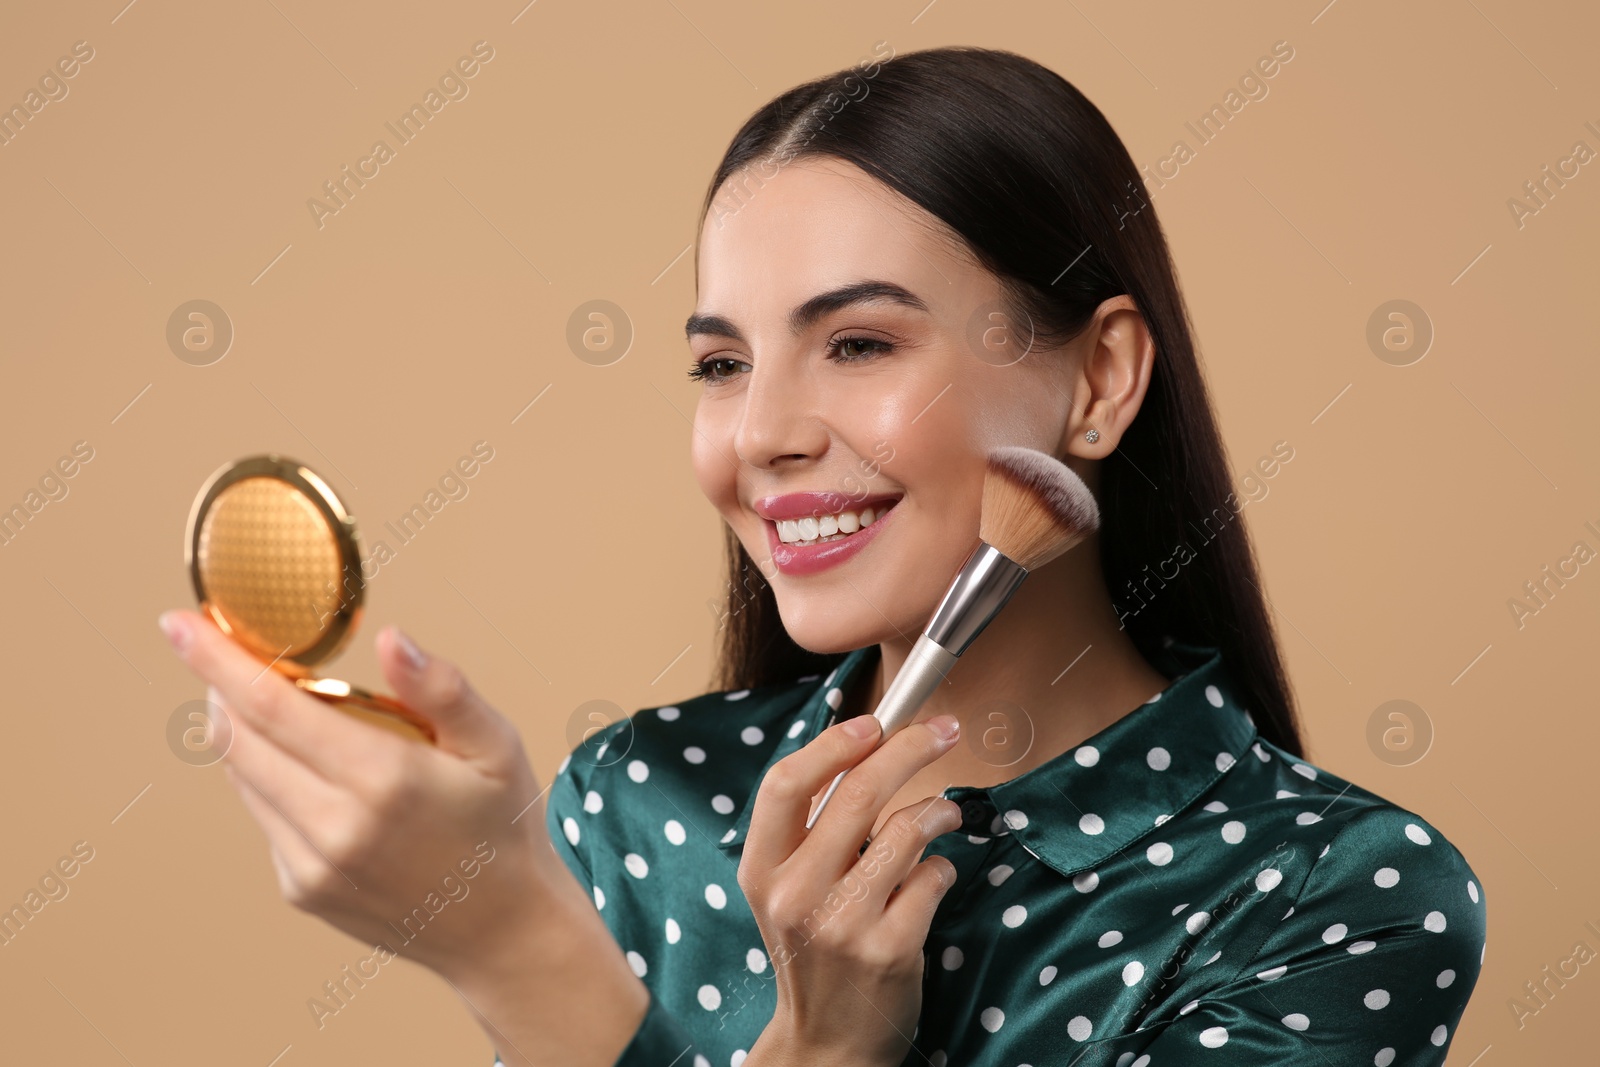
x=813, y=530
x=809, y=544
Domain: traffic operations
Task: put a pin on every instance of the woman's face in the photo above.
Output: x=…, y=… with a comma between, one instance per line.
x=900, y=414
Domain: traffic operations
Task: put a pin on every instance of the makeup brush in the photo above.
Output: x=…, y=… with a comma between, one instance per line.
x=1034, y=509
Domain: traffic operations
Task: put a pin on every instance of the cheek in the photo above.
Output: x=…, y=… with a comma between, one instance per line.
x=910, y=420
x=939, y=449
x=932, y=437
x=708, y=452
x=936, y=455
x=954, y=405
x=712, y=454
x=1011, y=406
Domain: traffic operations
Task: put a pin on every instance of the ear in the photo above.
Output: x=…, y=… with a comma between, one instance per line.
x=1116, y=357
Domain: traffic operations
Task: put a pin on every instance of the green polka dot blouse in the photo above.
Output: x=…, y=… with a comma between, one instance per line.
x=1174, y=891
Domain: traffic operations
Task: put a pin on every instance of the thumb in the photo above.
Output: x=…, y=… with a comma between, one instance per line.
x=436, y=689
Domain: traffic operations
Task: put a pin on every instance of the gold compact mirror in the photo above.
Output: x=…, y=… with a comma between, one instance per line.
x=275, y=562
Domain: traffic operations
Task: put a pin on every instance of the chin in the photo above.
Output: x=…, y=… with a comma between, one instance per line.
x=824, y=623
x=825, y=632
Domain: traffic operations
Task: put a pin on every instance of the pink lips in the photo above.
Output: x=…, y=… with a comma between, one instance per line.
x=801, y=505
x=799, y=560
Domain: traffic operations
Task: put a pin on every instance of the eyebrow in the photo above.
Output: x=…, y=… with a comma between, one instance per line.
x=805, y=315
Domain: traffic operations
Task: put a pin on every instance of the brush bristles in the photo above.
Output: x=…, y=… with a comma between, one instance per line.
x=1034, y=506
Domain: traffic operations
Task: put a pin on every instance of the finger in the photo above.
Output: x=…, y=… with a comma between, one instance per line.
x=783, y=798
x=909, y=911
x=834, y=841
x=291, y=855
x=467, y=726
x=895, y=850
x=334, y=745
x=300, y=796
x=299, y=860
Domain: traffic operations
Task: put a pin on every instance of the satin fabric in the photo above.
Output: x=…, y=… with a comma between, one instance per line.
x=1176, y=891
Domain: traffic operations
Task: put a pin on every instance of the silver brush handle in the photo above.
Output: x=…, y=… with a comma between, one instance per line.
x=923, y=671
x=980, y=589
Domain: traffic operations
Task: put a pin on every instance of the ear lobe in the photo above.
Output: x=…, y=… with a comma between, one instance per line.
x=1117, y=364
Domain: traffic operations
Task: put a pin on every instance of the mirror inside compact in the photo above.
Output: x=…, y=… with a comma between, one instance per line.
x=275, y=562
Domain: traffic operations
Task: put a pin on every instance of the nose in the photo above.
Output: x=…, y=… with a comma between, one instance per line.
x=779, y=423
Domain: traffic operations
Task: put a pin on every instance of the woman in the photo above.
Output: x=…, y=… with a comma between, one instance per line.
x=1099, y=842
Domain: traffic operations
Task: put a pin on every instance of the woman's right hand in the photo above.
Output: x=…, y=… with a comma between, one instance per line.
x=845, y=929
x=436, y=853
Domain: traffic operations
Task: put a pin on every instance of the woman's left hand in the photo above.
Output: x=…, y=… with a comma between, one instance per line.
x=845, y=927
x=369, y=829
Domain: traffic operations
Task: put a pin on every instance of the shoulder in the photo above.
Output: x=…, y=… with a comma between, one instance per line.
x=1382, y=870
x=1354, y=832
x=1370, y=836
x=1362, y=945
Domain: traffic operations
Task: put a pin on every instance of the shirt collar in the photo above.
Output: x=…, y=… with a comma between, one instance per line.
x=1079, y=808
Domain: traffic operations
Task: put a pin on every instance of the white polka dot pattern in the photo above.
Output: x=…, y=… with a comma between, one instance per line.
x=1081, y=885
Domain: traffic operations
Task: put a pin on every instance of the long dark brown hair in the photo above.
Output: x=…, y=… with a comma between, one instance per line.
x=1020, y=164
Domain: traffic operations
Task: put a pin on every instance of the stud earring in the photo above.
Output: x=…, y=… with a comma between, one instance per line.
x=1092, y=436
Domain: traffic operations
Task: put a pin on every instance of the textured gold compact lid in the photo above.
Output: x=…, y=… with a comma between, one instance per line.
x=275, y=561
x=267, y=549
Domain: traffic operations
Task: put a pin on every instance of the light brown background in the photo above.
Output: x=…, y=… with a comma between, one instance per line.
x=430, y=311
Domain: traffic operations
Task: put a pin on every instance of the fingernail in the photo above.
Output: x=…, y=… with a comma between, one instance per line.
x=861, y=726
x=176, y=629
x=409, y=648
x=946, y=726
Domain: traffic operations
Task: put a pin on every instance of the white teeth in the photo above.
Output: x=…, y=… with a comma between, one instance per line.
x=814, y=529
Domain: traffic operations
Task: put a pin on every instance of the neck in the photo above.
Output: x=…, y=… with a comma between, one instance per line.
x=1052, y=669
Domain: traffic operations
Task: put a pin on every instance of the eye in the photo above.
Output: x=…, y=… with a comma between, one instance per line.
x=704, y=370
x=874, y=347
x=841, y=349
